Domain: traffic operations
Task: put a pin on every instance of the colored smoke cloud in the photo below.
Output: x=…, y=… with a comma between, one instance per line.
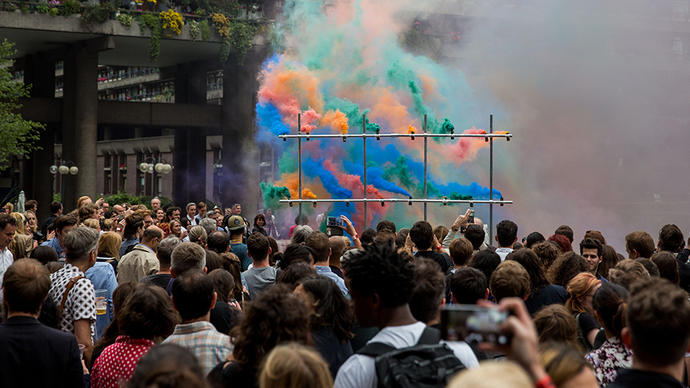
x=338, y=61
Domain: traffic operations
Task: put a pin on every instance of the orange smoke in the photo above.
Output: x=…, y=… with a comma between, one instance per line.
x=336, y=120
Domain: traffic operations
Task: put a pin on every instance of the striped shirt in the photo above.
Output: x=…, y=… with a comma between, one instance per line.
x=202, y=339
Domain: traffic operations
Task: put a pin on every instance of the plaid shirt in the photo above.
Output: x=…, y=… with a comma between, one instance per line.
x=202, y=339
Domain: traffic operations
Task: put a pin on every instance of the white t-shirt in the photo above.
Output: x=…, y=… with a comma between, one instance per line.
x=359, y=371
x=503, y=252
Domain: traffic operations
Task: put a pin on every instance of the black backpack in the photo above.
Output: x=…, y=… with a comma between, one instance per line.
x=427, y=364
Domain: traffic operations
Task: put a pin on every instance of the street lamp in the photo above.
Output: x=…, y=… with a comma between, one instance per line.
x=160, y=168
x=65, y=167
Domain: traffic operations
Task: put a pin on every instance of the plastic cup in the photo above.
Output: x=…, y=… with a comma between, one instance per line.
x=101, y=302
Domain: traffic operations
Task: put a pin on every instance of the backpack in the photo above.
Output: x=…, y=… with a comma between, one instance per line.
x=427, y=364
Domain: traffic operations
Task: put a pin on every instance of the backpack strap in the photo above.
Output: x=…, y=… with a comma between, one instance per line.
x=430, y=336
x=68, y=288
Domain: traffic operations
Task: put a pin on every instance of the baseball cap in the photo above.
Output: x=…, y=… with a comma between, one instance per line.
x=235, y=222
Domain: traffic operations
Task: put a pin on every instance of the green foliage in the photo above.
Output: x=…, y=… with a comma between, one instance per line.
x=25, y=8
x=200, y=12
x=42, y=8
x=194, y=30
x=53, y=12
x=239, y=40
x=124, y=19
x=153, y=23
x=205, y=30
x=119, y=198
x=97, y=14
x=18, y=137
x=70, y=7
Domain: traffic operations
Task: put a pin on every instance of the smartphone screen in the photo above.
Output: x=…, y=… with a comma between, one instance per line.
x=473, y=324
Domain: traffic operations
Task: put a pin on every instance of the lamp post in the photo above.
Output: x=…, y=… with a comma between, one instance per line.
x=66, y=167
x=158, y=168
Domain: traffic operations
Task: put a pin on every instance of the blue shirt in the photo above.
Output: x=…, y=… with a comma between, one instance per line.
x=55, y=244
x=326, y=271
x=102, y=275
x=241, y=251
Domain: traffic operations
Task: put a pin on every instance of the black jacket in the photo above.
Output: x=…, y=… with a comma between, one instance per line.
x=34, y=355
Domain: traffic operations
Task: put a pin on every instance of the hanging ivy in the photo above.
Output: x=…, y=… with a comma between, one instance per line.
x=153, y=23
x=239, y=40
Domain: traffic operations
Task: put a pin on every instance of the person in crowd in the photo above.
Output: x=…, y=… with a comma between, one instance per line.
x=142, y=260
x=185, y=257
x=506, y=236
x=658, y=332
x=627, y=272
x=197, y=234
x=237, y=227
x=639, y=244
x=318, y=243
x=567, y=367
x=163, y=253
x=510, y=279
x=565, y=231
x=468, y=285
x=202, y=211
x=649, y=266
x=595, y=234
x=33, y=355
x=190, y=210
x=490, y=374
x=541, y=292
x=295, y=253
x=562, y=242
x=259, y=224
x=300, y=234
x=44, y=255
x=294, y=274
x=422, y=236
x=294, y=365
x=337, y=244
x=486, y=261
x=93, y=224
x=31, y=226
x=547, y=252
x=331, y=322
x=155, y=204
x=160, y=216
x=176, y=229
x=62, y=225
x=381, y=283
x=440, y=232
x=21, y=244
x=112, y=331
x=476, y=235
x=103, y=277
x=668, y=266
x=581, y=290
x=275, y=317
x=591, y=250
x=671, y=239
x=72, y=292
x=213, y=261
x=428, y=293
x=609, y=304
x=566, y=266
x=533, y=239
x=134, y=228
x=271, y=225
x=260, y=276
x=55, y=212
x=461, y=251
x=8, y=227
x=609, y=259
x=209, y=225
x=173, y=213
x=147, y=318
x=168, y=365
x=555, y=323
x=194, y=297
x=109, y=248
x=225, y=314
x=86, y=212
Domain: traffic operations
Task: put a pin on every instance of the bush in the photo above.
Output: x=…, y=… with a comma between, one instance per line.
x=205, y=30
x=42, y=8
x=70, y=7
x=99, y=13
x=134, y=199
x=124, y=19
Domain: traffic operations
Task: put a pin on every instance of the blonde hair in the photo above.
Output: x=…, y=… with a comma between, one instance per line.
x=109, y=245
x=19, y=217
x=92, y=223
x=294, y=366
x=578, y=289
x=562, y=362
x=491, y=374
x=82, y=200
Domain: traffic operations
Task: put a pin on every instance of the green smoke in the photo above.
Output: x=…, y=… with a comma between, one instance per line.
x=273, y=194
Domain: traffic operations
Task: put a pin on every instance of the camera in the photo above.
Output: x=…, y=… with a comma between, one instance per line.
x=473, y=324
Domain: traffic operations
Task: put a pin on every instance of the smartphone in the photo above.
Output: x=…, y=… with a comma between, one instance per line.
x=470, y=220
x=334, y=222
x=473, y=324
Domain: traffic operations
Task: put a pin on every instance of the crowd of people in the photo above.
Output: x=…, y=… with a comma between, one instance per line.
x=142, y=296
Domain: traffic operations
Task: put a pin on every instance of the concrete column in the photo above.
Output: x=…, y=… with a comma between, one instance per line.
x=189, y=174
x=80, y=120
x=240, y=153
x=39, y=71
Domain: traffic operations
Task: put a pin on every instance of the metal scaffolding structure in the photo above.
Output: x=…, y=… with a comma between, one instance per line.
x=488, y=137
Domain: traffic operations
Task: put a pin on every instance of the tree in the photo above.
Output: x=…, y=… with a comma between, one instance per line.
x=18, y=137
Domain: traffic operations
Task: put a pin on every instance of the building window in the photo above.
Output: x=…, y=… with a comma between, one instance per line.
x=122, y=172
x=107, y=174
